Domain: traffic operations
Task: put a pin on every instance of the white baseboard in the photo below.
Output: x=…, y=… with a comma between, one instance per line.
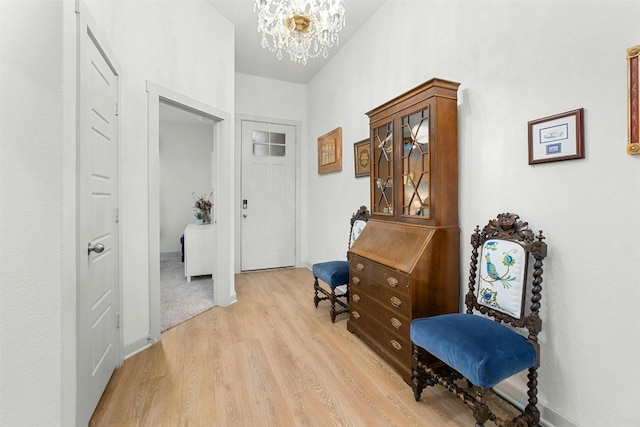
x=137, y=346
x=548, y=417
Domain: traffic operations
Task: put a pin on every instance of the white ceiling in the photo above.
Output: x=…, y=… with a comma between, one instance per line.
x=252, y=59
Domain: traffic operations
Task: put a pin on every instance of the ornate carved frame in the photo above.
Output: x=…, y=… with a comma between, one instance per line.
x=633, y=100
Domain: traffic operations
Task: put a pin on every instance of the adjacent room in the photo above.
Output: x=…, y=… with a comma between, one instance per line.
x=186, y=279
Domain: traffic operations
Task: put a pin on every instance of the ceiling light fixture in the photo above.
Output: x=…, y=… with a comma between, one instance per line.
x=303, y=28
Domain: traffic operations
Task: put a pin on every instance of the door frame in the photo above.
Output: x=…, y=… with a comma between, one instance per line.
x=86, y=23
x=237, y=212
x=224, y=293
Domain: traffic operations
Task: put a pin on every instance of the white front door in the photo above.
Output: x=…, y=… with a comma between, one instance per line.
x=98, y=291
x=268, y=195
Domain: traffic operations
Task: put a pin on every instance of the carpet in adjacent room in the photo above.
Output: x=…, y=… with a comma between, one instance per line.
x=181, y=300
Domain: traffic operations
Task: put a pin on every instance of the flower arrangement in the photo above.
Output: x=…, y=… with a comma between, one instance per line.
x=203, y=207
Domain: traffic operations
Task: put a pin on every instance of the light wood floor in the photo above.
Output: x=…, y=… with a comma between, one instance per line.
x=271, y=359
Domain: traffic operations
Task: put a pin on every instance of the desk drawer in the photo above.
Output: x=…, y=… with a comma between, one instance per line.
x=391, y=319
x=391, y=299
x=394, y=344
x=385, y=276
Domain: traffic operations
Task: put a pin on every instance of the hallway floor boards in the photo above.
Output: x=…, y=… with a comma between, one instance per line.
x=271, y=359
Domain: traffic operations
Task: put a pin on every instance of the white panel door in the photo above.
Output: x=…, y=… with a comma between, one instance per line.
x=268, y=195
x=98, y=293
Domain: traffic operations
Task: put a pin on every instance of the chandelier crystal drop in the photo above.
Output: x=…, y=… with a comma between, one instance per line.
x=303, y=28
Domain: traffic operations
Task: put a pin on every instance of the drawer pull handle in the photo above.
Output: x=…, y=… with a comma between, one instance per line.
x=359, y=267
x=356, y=297
x=396, y=323
x=396, y=302
x=355, y=314
x=355, y=280
x=392, y=281
x=396, y=345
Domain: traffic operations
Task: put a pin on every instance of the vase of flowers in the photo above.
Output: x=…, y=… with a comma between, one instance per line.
x=202, y=208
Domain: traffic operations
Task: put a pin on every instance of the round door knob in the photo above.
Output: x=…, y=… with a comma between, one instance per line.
x=99, y=248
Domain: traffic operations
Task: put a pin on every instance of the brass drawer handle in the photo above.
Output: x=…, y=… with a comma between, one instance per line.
x=396, y=302
x=355, y=314
x=392, y=281
x=356, y=297
x=355, y=280
x=359, y=267
x=396, y=323
x=396, y=345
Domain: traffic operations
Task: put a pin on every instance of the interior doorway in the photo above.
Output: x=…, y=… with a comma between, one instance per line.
x=186, y=174
x=221, y=158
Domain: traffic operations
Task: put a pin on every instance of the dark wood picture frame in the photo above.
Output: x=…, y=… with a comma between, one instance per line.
x=558, y=137
x=330, y=152
x=362, y=158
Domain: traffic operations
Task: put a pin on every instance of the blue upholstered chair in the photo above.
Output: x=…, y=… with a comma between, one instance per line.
x=335, y=274
x=497, y=337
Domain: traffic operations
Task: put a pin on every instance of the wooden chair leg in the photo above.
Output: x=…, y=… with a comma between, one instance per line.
x=481, y=411
x=316, y=299
x=531, y=412
x=417, y=374
x=332, y=298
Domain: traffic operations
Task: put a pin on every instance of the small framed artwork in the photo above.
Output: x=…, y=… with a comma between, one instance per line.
x=362, y=158
x=559, y=137
x=330, y=152
x=633, y=100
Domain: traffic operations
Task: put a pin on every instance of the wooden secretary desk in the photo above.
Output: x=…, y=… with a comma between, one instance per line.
x=406, y=262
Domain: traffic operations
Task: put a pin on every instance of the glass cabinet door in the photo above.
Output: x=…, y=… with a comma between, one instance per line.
x=383, y=169
x=415, y=164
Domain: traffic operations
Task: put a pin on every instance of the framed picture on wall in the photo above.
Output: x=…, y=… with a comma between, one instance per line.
x=330, y=152
x=559, y=137
x=362, y=158
x=633, y=100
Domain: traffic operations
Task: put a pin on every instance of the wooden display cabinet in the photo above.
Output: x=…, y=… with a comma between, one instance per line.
x=406, y=262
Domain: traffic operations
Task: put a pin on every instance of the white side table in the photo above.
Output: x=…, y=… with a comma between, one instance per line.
x=199, y=250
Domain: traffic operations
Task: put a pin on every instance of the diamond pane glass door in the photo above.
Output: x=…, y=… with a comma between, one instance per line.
x=415, y=164
x=383, y=169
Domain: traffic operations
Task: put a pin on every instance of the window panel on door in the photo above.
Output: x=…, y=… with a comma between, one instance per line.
x=268, y=143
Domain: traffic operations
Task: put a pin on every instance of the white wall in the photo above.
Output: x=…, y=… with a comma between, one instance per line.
x=37, y=293
x=185, y=169
x=273, y=101
x=518, y=61
x=185, y=46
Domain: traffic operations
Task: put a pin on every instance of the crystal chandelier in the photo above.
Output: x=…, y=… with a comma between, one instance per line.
x=303, y=28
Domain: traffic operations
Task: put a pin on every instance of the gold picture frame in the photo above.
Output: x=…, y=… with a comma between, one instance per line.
x=633, y=100
x=362, y=158
x=330, y=152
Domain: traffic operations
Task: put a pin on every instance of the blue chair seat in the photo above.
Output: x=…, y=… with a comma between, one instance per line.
x=482, y=350
x=333, y=273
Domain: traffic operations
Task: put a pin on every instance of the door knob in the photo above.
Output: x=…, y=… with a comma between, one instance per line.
x=99, y=248
x=244, y=215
